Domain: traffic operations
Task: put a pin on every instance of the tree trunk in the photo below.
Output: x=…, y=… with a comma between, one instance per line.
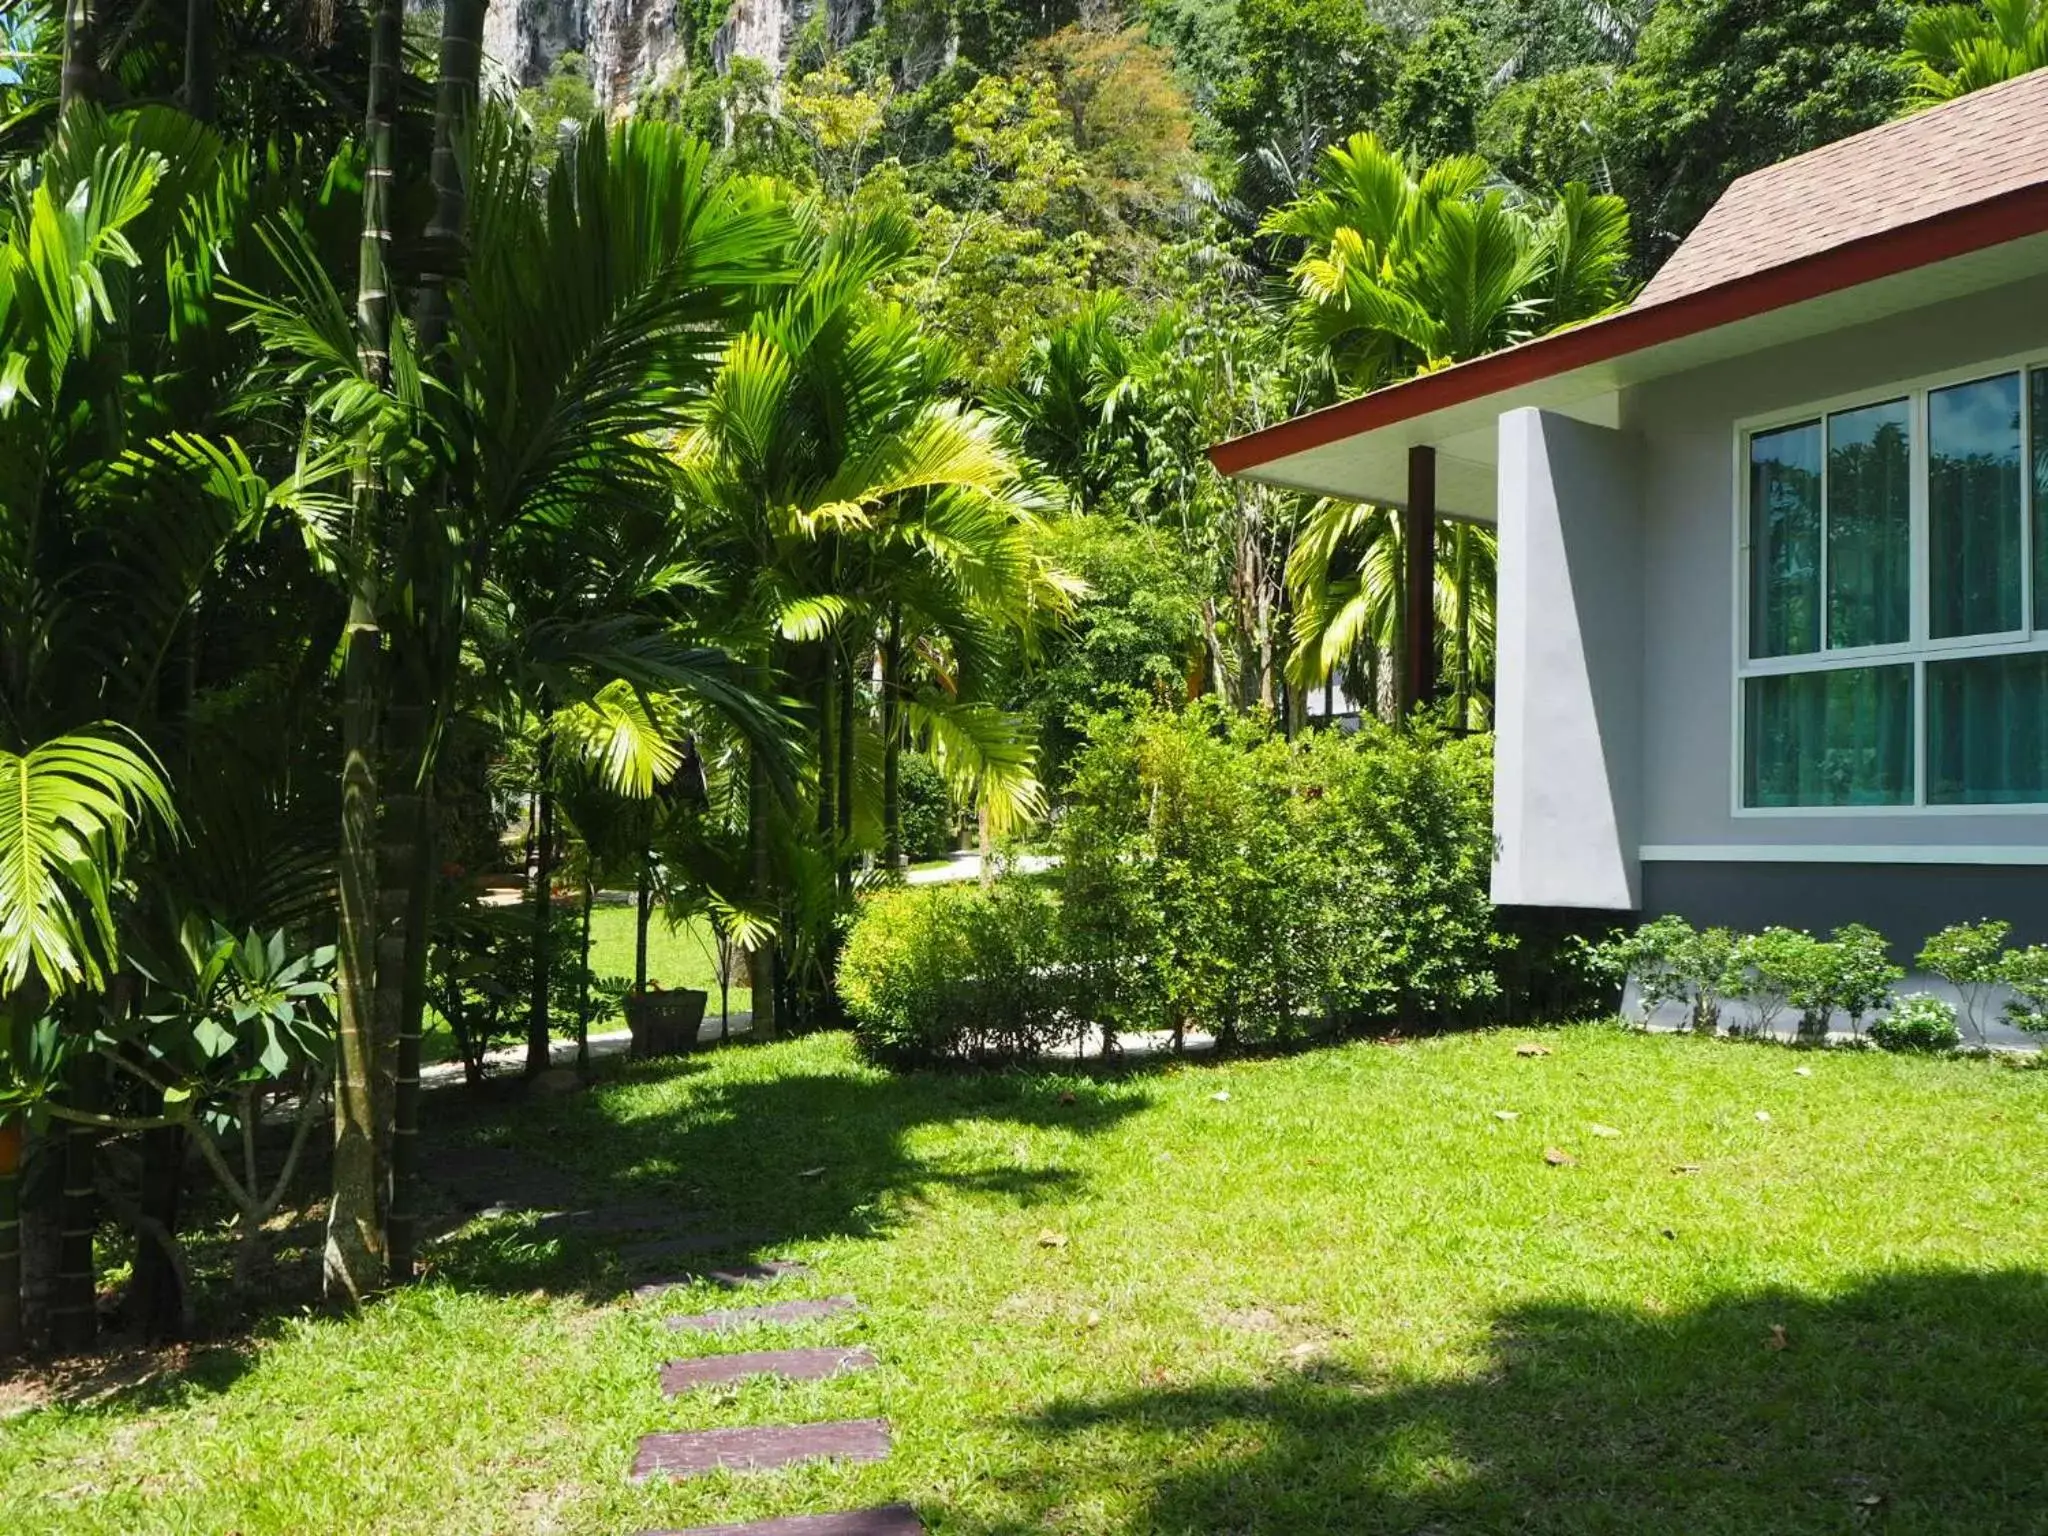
x=892, y=743
x=543, y=911
x=80, y=78
x=845, y=776
x=828, y=730
x=408, y=855
x=761, y=958
x=643, y=914
x=199, y=64
x=455, y=108
x=160, y=1305
x=10, y=1238
x=435, y=645
x=1463, y=535
x=74, y=1315
x=583, y=986
x=355, y=1261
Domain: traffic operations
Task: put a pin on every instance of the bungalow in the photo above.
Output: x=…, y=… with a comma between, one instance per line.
x=1773, y=604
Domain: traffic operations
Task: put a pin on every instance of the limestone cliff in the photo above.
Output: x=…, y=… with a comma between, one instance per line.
x=628, y=43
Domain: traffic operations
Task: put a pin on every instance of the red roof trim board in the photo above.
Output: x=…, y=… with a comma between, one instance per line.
x=2010, y=216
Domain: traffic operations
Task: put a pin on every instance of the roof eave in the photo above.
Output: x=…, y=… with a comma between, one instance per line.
x=1994, y=221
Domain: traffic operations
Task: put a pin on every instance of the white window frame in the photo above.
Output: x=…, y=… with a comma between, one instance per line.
x=1916, y=651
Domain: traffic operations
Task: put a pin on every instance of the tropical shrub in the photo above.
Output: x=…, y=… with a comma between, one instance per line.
x=1919, y=1022
x=1969, y=957
x=954, y=974
x=1214, y=875
x=926, y=810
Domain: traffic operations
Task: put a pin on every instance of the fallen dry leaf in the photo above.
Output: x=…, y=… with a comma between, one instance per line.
x=1092, y=1320
x=1557, y=1157
x=1507, y=1114
x=1763, y=1117
x=812, y=1173
x=1685, y=1167
x=1221, y=1095
x=1051, y=1239
x=1067, y=1097
x=1602, y=1130
x=1802, y=1071
x=1530, y=1048
x=1777, y=1340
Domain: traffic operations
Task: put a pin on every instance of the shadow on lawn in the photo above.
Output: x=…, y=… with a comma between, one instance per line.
x=1912, y=1404
x=766, y=1162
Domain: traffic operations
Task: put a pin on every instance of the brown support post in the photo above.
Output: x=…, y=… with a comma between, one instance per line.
x=1418, y=608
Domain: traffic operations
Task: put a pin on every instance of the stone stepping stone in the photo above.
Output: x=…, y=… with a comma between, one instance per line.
x=780, y=1445
x=689, y=1246
x=614, y=1221
x=680, y=1376
x=776, y=1312
x=731, y=1277
x=892, y=1520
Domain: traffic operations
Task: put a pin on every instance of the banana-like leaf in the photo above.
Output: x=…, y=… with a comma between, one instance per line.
x=67, y=808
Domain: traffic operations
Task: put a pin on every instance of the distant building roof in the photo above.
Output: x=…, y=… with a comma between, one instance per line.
x=1963, y=152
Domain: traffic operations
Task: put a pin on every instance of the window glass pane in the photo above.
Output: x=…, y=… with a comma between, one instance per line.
x=1870, y=526
x=1986, y=742
x=1784, y=541
x=1973, y=507
x=1843, y=737
x=2038, y=412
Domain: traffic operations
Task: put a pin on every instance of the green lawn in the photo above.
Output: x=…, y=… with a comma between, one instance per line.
x=1347, y=1297
x=676, y=957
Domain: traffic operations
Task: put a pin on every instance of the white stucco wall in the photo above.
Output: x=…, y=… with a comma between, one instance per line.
x=1569, y=616
x=1687, y=427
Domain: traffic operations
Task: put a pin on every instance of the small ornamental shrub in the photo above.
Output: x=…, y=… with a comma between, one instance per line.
x=926, y=810
x=1918, y=1022
x=2025, y=971
x=1673, y=962
x=1856, y=977
x=1968, y=956
x=954, y=974
x=1773, y=967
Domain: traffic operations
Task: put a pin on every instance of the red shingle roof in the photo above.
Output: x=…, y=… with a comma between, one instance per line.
x=1941, y=161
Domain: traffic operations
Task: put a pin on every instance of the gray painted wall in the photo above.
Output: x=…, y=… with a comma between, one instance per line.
x=1569, y=617
x=1687, y=428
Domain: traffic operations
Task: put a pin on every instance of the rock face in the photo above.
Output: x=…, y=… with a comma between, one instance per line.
x=625, y=43
x=629, y=43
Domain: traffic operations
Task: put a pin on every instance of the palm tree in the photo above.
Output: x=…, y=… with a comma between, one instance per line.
x=1956, y=49
x=876, y=532
x=1406, y=269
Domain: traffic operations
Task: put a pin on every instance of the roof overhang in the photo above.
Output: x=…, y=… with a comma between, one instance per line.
x=1358, y=450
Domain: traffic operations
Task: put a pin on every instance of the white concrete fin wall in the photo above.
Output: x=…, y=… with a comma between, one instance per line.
x=1569, y=616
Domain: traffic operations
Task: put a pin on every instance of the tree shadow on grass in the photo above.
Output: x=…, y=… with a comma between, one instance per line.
x=1913, y=1403
x=751, y=1165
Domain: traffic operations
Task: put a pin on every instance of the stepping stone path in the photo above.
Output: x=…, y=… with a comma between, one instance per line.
x=730, y=1277
x=778, y=1312
x=771, y=1445
x=680, y=1376
x=692, y=1453
x=893, y=1520
x=689, y=1246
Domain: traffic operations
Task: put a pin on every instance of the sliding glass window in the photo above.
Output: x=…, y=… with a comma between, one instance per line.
x=1895, y=570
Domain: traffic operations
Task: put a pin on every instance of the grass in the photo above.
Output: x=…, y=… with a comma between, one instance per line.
x=1337, y=1292
x=677, y=958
